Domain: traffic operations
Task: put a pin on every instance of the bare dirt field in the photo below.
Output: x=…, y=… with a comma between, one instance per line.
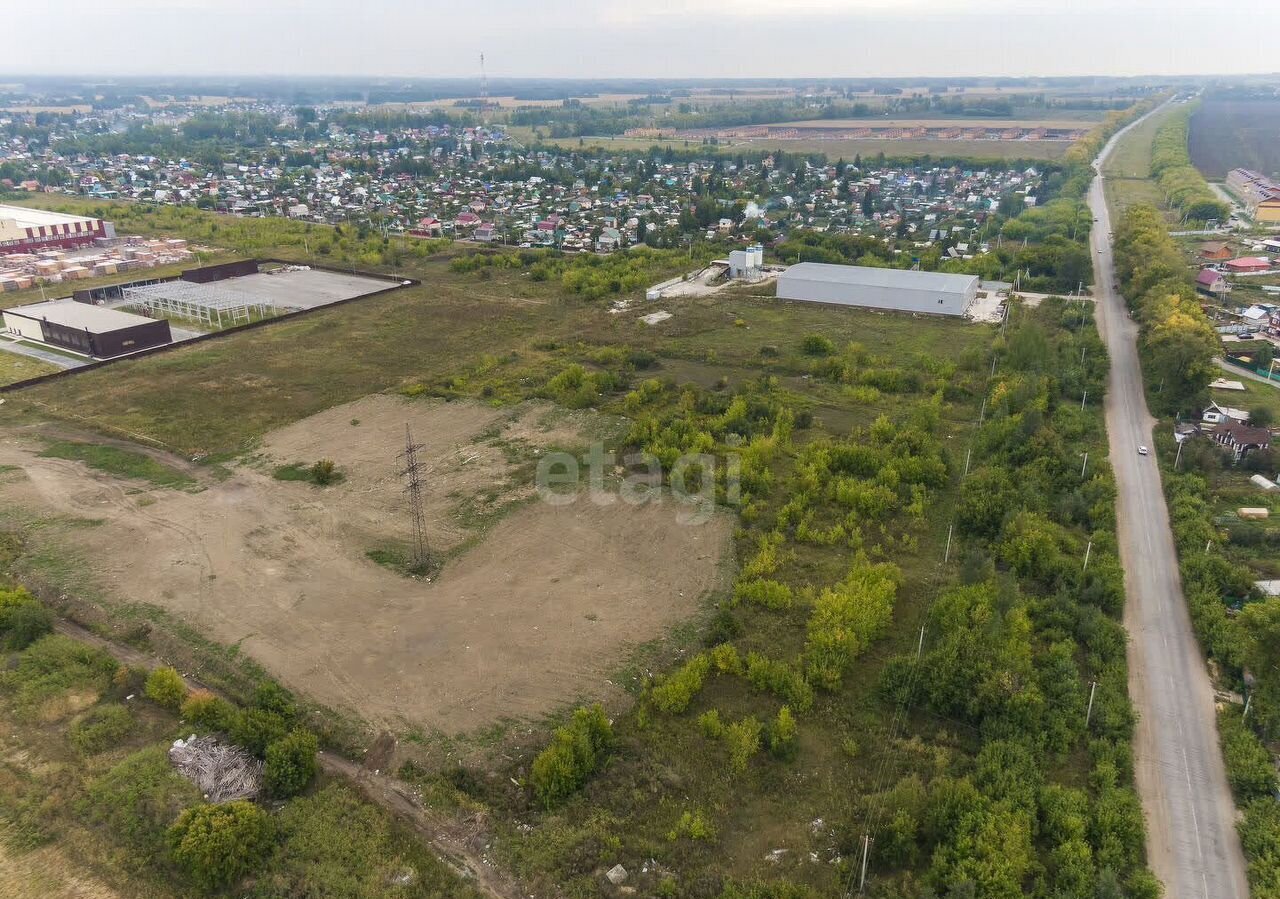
x=534, y=607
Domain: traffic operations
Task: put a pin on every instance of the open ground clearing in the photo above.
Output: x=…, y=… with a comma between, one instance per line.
x=538, y=611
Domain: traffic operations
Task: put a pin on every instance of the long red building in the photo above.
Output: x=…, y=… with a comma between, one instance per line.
x=24, y=230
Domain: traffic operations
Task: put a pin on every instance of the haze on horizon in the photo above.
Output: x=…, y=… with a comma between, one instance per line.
x=658, y=38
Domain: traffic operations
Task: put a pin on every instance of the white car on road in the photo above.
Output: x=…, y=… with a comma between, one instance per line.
x=1142, y=451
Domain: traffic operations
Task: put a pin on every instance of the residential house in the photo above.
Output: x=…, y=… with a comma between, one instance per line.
x=1215, y=250
x=1241, y=439
x=1248, y=264
x=1211, y=281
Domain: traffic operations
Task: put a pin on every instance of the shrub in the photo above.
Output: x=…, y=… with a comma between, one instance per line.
x=207, y=710
x=256, y=729
x=743, y=738
x=693, y=825
x=710, y=724
x=216, y=845
x=782, y=735
x=575, y=753
x=675, y=693
x=290, y=764
x=137, y=799
x=324, y=472
x=781, y=679
x=165, y=687
x=101, y=728
x=723, y=628
x=817, y=345
x=768, y=593
x=847, y=618
x=23, y=619
x=272, y=697
x=1249, y=768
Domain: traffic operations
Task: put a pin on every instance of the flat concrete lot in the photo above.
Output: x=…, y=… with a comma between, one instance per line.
x=305, y=290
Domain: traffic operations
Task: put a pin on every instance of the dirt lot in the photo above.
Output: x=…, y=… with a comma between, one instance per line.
x=535, y=606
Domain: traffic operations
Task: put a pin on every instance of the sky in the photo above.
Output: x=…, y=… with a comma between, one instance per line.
x=640, y=38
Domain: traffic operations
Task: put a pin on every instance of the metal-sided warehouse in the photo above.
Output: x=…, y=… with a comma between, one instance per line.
x=210, y=303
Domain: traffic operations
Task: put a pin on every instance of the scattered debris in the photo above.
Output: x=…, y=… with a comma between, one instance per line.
x=616, y=875
x=774, y=856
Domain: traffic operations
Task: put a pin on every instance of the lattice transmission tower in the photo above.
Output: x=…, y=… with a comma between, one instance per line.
x=412, y=473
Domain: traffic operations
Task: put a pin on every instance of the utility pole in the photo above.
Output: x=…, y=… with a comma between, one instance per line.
x=1088, y=549
x=412, y=473
x=946, y=557
x=967, y=457
x=1086, y=455
x=1093, y=688
x=1082, y=399
x=1178, y=458
x=866, y=851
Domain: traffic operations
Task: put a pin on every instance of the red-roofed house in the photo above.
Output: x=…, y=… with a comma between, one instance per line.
x=466, y=220
x=1211, y=281
x=1248, y=264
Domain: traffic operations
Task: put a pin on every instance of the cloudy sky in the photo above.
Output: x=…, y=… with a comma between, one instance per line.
x=621, y=38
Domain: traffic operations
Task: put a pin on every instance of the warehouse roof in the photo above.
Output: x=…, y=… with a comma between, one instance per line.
x=866, y=276
x=37, y=218
x=71, y=314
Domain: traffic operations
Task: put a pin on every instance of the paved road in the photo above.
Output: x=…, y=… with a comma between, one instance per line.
x=1191, y=839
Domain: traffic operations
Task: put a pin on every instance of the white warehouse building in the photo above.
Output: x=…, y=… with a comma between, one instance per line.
x=934, y=293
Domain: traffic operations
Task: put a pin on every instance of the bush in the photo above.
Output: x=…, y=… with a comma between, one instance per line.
x=138, y=799
x=576, y=751
x=166, y=687
x=324, y=472
x=100, y=728
x=743, y=738
x=23, y=619
x=272, y=697
x=290, y=764
x=216, y=845
x=782, y=735
x=693, y=825
x=817, y=345
x=256, y=729
x=207, y=710
x=1249, y=768
x=679, y=688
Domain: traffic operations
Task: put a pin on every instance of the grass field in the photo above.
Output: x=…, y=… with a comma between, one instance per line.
x=16, y=367
x=1128, y=169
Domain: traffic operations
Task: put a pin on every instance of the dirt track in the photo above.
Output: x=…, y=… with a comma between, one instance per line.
x=531, y=617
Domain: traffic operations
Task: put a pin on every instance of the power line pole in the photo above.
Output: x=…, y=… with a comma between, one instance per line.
x=412, y=473
x=1093, y=688
x=866, y=850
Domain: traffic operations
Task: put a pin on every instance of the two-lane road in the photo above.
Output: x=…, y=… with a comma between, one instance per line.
x=1192, y=844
